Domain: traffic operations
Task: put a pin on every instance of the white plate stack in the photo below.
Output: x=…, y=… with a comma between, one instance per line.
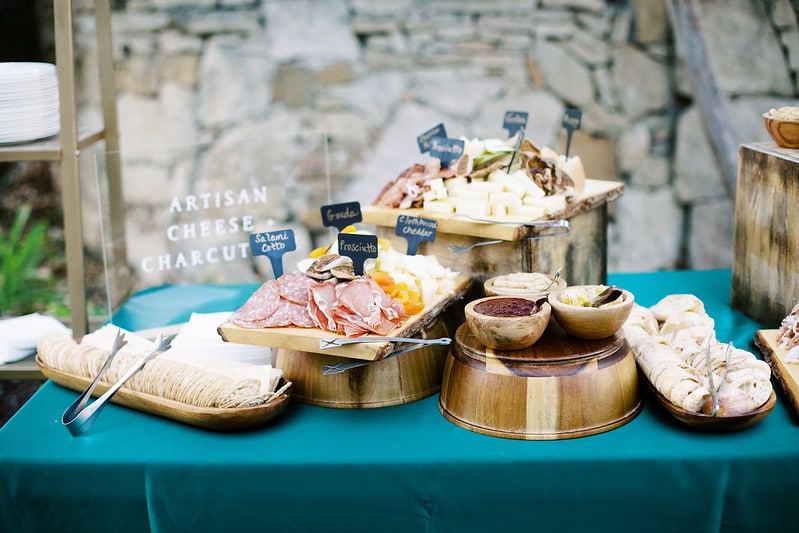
x=28, y=102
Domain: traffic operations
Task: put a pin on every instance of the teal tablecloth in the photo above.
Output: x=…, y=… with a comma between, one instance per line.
x=402, y=468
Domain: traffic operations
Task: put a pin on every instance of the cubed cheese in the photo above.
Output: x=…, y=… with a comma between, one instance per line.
x=438, y=206
x=525, y=212
x=550, y=204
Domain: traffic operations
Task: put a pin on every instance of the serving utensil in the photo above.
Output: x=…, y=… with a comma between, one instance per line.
x=555, y=278
x=561, y=226
x=78, y=421
x=608, y=295
x=714, y=395
x=72, y=411
x=338, y=368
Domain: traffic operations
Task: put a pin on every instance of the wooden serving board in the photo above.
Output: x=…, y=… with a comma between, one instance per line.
x=219, y=419
x=307, y=339
x=787, y=374
x=597, y=192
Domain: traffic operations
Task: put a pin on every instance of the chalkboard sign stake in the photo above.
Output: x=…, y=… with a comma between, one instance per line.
x=415, y=230
x=571, y=122
x=273, y=244
x=516, y=150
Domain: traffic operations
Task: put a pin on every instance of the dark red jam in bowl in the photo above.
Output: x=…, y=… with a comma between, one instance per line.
x=505, y=307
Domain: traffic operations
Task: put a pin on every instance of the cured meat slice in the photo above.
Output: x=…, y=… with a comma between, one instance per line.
x=322, y=298
x=358, y=297
x=299, y=316
x=258, y=307
x=294, y=287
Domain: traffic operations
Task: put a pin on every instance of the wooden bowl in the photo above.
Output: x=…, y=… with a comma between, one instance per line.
x=507, y=322
x=383, y=383
x=784, y=131
x=590, y=322
x=562, y=387
x=537, y=284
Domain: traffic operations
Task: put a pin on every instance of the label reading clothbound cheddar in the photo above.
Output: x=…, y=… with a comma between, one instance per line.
x=425, y=139
x=357, y=247
x=415, y=230
x=513, y=121
x=341, y=215
x=273, y=244
x=445, y=149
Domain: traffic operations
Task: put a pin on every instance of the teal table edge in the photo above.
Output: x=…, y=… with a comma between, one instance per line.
x=403, y=468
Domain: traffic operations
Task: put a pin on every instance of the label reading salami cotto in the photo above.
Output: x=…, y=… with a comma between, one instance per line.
x=341, y=215
x=273, y=244
x=513, y=121
x=357, y=247
x=415, y=230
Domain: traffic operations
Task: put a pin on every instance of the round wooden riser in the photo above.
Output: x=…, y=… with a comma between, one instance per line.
x=393, y=381
x=560, y=388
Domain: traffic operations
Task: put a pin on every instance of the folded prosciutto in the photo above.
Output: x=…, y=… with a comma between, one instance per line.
x=353, y=309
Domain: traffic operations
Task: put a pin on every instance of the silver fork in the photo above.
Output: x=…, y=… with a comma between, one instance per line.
x=563, y=227
x=460, y=249
x=84, y=418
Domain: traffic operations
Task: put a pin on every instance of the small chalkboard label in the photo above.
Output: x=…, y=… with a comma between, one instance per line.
x=514, y=121
x=273, y=244
x=415, y=230
x=446, y=149
x=341, y=215
x=426, y=138
x=571, y=122
x=357, y=247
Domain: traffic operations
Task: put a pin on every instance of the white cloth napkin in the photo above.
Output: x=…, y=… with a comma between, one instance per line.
x=20, y=335
x=199, y=337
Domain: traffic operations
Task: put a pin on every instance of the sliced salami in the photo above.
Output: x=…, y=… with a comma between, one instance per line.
x=258, y=307
x=294, y=287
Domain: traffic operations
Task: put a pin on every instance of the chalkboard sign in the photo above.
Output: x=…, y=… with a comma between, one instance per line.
x=446, y=149
x=425, y=139
x=415, y=230
x=273, y=244
x=357, y=247
x=514, y=121
x=571, y=122
x=341, y=215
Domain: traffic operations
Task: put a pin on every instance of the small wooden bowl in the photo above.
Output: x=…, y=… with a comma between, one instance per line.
x=590, y=322
x=507, y=322
x=492, y=286
x=785, y=132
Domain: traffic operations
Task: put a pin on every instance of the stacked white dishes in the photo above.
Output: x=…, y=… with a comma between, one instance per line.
x=28, y=102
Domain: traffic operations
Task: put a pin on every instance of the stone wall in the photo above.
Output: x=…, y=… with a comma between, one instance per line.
x=370, y=75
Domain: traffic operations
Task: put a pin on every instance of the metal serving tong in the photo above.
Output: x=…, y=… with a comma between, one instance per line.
x=338, y=368
x=561, y=227
x=77, y=418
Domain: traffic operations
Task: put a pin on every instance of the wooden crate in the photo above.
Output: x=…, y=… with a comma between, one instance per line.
x=765, y=269
x=582, y=253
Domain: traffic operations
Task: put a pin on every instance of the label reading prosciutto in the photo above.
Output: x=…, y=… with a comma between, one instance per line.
x=341, y=215
x=425, y=139
x=514, y=121
x=415, y=230
x=446, y=150
x=273, y=244
x=357, y=247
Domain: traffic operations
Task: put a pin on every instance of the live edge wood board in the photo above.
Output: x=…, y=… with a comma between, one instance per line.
x=581, y=254
x=307, y=339
x=786, y=374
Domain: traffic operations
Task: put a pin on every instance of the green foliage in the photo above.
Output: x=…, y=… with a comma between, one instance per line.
x=23, y=249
